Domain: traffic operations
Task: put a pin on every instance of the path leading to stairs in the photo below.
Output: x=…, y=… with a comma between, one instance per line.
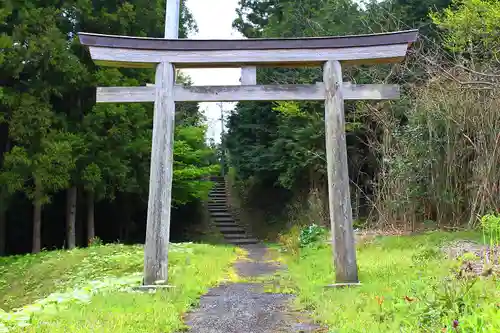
x=221, y=216
x=244, y=307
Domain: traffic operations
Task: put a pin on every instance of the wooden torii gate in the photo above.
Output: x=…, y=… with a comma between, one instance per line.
x=170, y=53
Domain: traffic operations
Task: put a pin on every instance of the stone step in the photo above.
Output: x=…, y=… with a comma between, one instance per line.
x=226, y=224
x=232, y=229
x=222, y=218
x=234, y=236
x=221, y=214
x=223, y=221
x=219, y=210
x=243, y=241
x=223, y=208
x=217, y=205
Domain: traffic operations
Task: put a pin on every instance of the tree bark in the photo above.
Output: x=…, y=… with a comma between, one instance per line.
x=71, y=196
x=3, y=232
x=37, y=219
x=90, y=216
x=4, y=205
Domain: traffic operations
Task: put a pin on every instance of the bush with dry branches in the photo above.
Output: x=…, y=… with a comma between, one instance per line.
x=442, y=164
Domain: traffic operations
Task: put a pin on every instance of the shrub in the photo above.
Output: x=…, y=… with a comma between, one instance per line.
x=490, y=224
x=311, y=235
x=291, y=240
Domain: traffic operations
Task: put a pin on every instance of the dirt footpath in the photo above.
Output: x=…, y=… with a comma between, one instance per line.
x=245, y=307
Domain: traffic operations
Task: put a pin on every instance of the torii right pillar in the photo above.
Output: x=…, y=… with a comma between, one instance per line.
x=343, y=246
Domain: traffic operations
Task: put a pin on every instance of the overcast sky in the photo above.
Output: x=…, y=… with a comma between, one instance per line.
x=214, y=19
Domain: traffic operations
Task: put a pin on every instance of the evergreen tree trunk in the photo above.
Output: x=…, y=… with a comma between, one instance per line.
x=37, y=219
x=71, y=196
x=3, y=232
x=4, y=204
x=128, y=221
x=90, y=216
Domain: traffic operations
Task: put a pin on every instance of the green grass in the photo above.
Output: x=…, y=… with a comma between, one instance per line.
x=193, y=268
x=392, y=268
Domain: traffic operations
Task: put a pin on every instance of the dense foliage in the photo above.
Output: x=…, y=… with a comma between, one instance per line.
x=53, y=138
x=423, y=158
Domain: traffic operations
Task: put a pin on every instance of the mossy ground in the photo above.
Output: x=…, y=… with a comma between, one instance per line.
x=193, y=268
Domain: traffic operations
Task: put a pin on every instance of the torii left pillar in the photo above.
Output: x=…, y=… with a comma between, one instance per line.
x=162, y=154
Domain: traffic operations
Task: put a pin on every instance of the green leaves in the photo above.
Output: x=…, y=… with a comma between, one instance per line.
x=289, y=109
x=471, y=26
x=55, y=135
x=283, y=143
x=191, y=165
x=50, y=165
x=311, y=234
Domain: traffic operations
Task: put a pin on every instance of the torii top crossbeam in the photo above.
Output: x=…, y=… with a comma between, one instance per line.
x=125, y=51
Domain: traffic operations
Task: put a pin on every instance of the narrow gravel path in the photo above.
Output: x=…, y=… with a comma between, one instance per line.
x=245, y=307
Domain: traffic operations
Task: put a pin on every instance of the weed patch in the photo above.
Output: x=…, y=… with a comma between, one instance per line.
x=94, y=289
x=408, y=286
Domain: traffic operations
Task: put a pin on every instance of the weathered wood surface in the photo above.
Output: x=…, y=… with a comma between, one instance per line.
x=250, y=93
x=338, y=179
x=369, y=91
x=171, y=43
x=171, y=21
x=247, y=92
x=160, y=181
x=126, y=94
x=110, y=56
x=161, y=170
x=248, y=76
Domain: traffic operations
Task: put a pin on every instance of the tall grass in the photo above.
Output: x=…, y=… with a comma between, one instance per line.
x=442, y=165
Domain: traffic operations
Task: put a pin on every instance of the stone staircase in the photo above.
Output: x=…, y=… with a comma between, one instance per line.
x=218, y=208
